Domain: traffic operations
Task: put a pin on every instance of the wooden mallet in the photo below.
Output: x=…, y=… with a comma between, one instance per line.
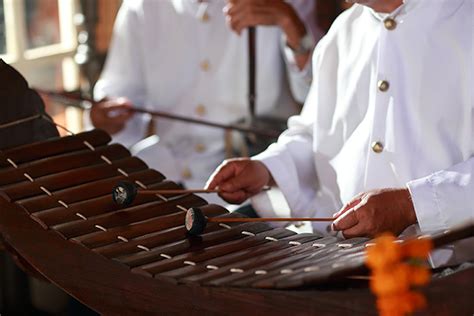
x=125, y=192
x=196, y=221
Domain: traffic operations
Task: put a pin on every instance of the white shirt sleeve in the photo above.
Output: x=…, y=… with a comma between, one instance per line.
x=444, y=199
x=123, y=74
x=294, y=162
x=300, y=79
x=291, y=163
x=293, y=155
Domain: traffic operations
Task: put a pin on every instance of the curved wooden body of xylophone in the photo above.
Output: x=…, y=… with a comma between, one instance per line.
x=57, y=216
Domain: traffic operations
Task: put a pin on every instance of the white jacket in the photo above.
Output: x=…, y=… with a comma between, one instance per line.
x=424, y=119
x=179, y=56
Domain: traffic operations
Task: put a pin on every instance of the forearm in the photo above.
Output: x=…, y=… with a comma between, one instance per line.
x=294, y=31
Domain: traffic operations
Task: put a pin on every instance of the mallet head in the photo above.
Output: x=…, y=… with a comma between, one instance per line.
x=124, y=193
x=195, y=221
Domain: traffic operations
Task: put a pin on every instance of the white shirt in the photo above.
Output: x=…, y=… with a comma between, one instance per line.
x=425, y=120
x=179, y=56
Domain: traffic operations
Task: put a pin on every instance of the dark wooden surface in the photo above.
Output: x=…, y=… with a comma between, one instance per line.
x=18, y=102
x=109, y=288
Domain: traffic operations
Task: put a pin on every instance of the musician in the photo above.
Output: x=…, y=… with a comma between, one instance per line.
x=189, y=57
x=389, y=114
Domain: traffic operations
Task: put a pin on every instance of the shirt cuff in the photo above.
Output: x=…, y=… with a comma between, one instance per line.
x=263, y=202
x=428, y=212
x=286, y=197
x=290, y=60
x=271, y=203
x=299, y=79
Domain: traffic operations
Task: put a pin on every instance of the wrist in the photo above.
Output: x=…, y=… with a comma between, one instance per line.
x=293, y=28
x=409, y=207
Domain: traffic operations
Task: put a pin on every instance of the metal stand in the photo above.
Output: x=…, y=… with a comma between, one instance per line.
x=252, y=72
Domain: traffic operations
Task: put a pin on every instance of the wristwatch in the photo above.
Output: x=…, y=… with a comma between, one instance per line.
x=305, y=45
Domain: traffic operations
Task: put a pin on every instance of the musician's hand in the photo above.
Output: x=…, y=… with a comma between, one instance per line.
x=374, y=212
x=241, y=14
x=111, y=115
x=239, y=179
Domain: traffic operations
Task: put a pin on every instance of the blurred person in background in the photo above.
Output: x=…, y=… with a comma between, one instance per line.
x=190, y=58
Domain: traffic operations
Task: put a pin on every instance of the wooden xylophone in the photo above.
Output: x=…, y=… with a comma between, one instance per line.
x=58, y=217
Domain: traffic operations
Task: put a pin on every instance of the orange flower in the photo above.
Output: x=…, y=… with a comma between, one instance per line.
x=396, y=304
x=419, y=275
x=392, y=278
x=389, y=305
x=390, y=281
x=417, y=248
x=383, y=253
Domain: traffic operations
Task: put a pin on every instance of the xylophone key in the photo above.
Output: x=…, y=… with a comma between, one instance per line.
x=128, y=216
x=202, y=272
x=153, y=240
x=85, y=191
x=60, y=163
x=71, y=178
x=149, y=241
x=316, y=258
x=214, y=251
x=55, y=146
x=137, y=229
x=92, y=207
x=225, y=275
x=334, y=269
x=197, y=244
